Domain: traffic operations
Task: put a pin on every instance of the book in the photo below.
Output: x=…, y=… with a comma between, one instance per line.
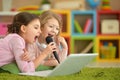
x=90, y=45
x=88, y=25
x=77, y=26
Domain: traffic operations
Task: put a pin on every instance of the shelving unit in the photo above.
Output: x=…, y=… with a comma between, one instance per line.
x=106, y=52
x=106, y=15
x=110, y=38
x=83, y=44
x=82, y=17
x=68, y=40
x=5, y=18
x=81, y=41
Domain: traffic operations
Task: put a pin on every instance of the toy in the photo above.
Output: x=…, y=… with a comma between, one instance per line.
x=93, y=3
x=107, y=50
x=106, y=5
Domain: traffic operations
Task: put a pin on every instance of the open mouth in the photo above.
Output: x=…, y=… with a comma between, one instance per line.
x=50, y=35
x=35, y=38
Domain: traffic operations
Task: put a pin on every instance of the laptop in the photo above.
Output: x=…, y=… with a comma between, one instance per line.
x=72, y=64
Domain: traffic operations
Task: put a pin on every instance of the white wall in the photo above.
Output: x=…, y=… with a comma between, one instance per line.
x=19, y=3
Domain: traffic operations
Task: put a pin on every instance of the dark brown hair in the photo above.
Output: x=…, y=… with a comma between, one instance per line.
x=22, y=18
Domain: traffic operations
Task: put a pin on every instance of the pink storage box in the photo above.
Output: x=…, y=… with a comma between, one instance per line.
x=3, y=29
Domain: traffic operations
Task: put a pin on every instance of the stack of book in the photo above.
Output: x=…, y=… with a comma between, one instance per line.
x=87, y=27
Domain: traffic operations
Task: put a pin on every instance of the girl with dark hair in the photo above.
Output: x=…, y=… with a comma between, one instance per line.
x=24, y=30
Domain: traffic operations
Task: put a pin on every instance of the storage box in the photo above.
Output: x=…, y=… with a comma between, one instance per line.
x=3, y=29
x=107, y=52
x=110, y=27
x=69, y=4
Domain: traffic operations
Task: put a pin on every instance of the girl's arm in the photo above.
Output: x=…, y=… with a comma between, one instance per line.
x=26, y=56
x=47, y=51
x=62, y=48
x=29, y=66
x=17, y=45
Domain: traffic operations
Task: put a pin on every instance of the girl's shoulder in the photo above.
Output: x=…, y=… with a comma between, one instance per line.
x=13, y=35
x=14, y=38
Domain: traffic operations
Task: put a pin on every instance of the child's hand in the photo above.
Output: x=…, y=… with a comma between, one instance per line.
x=25, y=56
x=50, y=48
x=61, y=40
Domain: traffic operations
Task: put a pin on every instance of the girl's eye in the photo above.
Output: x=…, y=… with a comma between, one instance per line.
x=57, y=29
x=36, y=27
x=51, y=26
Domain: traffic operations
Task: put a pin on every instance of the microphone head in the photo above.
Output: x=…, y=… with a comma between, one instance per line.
x=49, y=39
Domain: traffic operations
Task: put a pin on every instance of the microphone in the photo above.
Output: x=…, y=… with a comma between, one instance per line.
x=48, y=40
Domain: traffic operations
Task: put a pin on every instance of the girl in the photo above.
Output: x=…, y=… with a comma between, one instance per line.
x=51, y=25
x=24, y=30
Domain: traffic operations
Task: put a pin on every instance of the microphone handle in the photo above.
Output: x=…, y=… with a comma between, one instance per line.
x=56, y=56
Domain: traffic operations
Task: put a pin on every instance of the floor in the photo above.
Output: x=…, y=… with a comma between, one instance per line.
x=104, y=64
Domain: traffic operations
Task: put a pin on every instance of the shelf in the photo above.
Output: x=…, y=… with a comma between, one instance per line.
x=108, y=36
x=108, y=47
x=82, y=44
x=68, y=39
x=83, y=22
x=5, y=19
x=108, y=15
x=7, y=13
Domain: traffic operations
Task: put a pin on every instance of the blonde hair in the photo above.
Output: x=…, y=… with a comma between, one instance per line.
x=46, y=15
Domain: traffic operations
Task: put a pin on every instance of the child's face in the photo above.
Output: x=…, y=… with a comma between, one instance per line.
x=51, y=28
x=32, y=31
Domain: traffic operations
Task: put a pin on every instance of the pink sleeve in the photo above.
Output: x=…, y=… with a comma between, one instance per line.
x=62, y=53
x=17, y=45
